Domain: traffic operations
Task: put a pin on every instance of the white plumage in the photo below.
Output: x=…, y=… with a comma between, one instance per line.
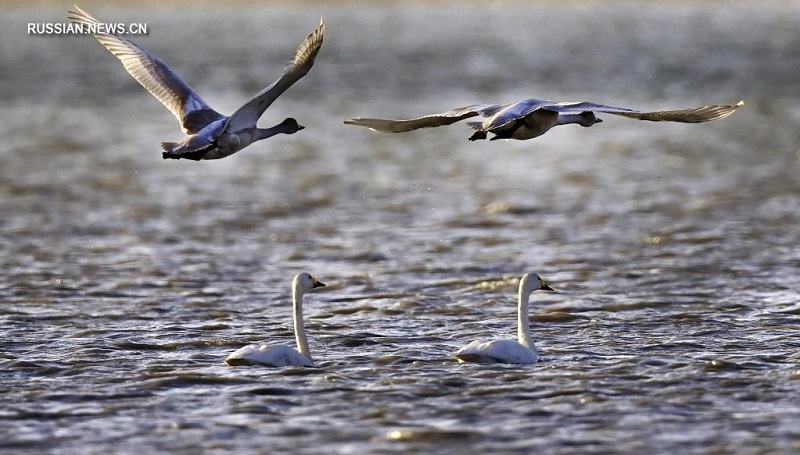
x=281, y=355
x=522, y=350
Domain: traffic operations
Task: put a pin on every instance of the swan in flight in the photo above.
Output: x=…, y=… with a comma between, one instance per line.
x=531, y=118
x=522, y=350
x=209, y=135
x=282, y=355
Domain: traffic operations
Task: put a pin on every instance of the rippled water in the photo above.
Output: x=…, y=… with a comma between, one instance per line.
x=126, y=279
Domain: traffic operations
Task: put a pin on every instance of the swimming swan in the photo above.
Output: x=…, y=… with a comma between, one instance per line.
x=522, y=350
x=209, y=135
x=530, y=118
x=282, y=355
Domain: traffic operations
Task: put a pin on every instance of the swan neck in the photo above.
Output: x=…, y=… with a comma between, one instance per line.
x=566, y=119
x=523, y=323
x=263, y=133
x=297, y=319
x=583, y=119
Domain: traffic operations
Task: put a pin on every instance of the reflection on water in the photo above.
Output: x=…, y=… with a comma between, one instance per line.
x=127, y=279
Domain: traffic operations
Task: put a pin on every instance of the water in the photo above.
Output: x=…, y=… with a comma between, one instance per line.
x=126, y=279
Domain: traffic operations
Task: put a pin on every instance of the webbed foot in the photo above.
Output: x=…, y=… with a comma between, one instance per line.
x=478, y=135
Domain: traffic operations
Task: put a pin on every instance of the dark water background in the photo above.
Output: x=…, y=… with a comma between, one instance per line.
x=126, y=279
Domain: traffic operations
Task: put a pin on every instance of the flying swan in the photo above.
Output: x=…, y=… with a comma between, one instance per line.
x=522, y=350
x=531, y=118
x=209, y=135
x=282, y=355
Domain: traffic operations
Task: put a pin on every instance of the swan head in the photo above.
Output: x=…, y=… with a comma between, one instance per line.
x=531, y=282
x=587, y=119
x=305, y=282
x=290, y=126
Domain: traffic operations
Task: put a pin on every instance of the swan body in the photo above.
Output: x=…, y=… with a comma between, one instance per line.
x=531, y=118
x=520, y=351
x=208, y=135
x=282, y=355
x=276, y=355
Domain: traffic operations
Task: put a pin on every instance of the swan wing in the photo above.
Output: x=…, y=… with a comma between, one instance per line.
x=512, y=112
x=247, y=116
x=426, y=121
x=185, y=104
x=691, y=115
x=268, y=355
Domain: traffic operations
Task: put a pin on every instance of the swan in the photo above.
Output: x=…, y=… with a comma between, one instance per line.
x=208, y=135
x=522, y=350
x=531, y=118
x=282, y=355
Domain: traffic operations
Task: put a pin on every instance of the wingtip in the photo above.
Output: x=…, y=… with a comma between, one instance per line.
x=740, y=103
x=78, y=10
x=319, y=33
x=79, y=15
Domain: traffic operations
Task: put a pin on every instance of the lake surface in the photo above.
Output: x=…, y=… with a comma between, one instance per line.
x=127, y=279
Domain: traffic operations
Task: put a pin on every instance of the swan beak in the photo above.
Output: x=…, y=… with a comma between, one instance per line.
x=547, y=288
x=543, y=285
x=318, y=284
x=598, y=120
x=301, y=127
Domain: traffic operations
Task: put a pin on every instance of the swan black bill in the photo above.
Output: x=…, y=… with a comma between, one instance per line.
x=543, y=286
x=318, y=284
